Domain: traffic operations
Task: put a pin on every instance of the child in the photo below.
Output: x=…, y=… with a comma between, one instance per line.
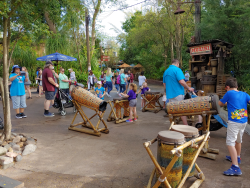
x=236, y=102
x=39, y=78
x=142, y=90
x=132, y=101
x=100, y=91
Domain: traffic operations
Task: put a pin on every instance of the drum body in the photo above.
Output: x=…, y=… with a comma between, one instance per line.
x=120, y=103
x=149, y=96
x=198, y=104
x=167, y=140
x=189, y=152
x=86, y=98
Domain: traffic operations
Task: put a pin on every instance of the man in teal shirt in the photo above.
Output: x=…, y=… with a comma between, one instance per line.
x=174, y=83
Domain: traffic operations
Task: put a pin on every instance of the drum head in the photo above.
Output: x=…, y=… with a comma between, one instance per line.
x=171, y=137
x=188, y=131
x=120, y=98
x=215, y=104
x=153, y=93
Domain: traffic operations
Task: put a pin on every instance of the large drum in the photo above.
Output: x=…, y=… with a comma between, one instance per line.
x=198, y=104
x=189, y=152
x=167, y=140
x=86, y=98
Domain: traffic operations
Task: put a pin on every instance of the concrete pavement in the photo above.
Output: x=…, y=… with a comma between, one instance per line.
x=66, y=158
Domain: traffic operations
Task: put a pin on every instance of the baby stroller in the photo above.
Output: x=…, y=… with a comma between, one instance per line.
x=63, y=101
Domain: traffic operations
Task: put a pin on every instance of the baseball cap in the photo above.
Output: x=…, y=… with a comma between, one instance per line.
x=186, y=71
x=49, y=62
x=99, y=82
x=14, y=67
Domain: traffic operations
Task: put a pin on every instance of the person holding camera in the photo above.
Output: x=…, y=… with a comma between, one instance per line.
x=17, y=91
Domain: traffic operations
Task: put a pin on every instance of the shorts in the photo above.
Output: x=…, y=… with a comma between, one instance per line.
x=19, y=101
x=105, y=85
x=49, y=95
x=132, y=103
x=235, y=132
x=176, y=99
x=164, y=98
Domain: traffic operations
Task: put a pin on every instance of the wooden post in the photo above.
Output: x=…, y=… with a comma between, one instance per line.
x=197, y=22
x=87, y=38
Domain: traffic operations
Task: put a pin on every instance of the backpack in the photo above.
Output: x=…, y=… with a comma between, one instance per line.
x=118, y=80
x=131, y=76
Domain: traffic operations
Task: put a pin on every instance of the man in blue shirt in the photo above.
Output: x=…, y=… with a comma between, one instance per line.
x=236, y=102
x=174, y=83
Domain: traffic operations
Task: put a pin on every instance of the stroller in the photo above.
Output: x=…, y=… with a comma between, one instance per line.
x=64, y=100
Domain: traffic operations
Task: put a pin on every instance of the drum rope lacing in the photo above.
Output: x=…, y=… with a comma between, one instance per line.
x=192, y=143
x=162, y=180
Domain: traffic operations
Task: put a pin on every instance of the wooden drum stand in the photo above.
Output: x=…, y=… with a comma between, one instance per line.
x=177, y=152
x=205, y=106
x=151, y=101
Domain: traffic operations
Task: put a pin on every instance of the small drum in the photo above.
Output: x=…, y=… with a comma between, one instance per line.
x=149, y=96
x=88, y=99
x=198, y=104
x=189, y=152
x=167, y=140
x=120, y=103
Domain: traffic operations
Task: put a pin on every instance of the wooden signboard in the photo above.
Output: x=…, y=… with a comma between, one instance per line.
x=105, y=58
x=201, y=49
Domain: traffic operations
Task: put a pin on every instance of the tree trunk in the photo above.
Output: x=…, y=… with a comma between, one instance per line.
x=172, y=46
x=6, y=106
x=97, y=9
x=78, y=51
x=50, y=23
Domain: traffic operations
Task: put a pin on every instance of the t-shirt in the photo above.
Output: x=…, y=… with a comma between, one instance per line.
x=100, y=92
x=187, y=76
x=73, y=76
x=236, y=105
x=122, y=78
x=132, y=95
x=17, y=86
x=91, y=79
x=141, y=80
x=171, y=78
x=63, y=85
x=108, y=78
x=47, y=86
x=143, y=90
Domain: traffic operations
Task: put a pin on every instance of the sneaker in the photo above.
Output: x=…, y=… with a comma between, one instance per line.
x=49, y=115
x=129, y=120
x=18, y=116
x=229, y=159
x=23, y=115
x=141, y=108
x=120, y=95
x=233, y=171
x=135, y=119
x=117, y=92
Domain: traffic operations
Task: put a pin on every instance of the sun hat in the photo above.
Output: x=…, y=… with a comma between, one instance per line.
x=99, y=82
x=14, y=67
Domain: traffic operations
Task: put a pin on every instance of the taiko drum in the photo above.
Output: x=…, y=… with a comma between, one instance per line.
x=86, y=98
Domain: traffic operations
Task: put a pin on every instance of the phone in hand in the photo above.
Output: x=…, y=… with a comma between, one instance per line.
x=22, y=74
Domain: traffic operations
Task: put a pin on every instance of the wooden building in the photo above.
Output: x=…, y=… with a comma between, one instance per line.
x=207, y=65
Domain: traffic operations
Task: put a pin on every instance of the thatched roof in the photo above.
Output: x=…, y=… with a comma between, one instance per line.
x=124, y=65
x=138, y=66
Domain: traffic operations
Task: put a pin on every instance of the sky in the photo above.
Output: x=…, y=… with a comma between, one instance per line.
x=116, y=18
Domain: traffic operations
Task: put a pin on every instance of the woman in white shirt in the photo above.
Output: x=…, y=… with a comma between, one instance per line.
x=142, y=79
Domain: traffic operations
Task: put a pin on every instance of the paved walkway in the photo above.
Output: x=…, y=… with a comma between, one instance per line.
x=66, y=158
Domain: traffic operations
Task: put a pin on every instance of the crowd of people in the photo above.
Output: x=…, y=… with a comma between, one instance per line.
x=174, y=82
